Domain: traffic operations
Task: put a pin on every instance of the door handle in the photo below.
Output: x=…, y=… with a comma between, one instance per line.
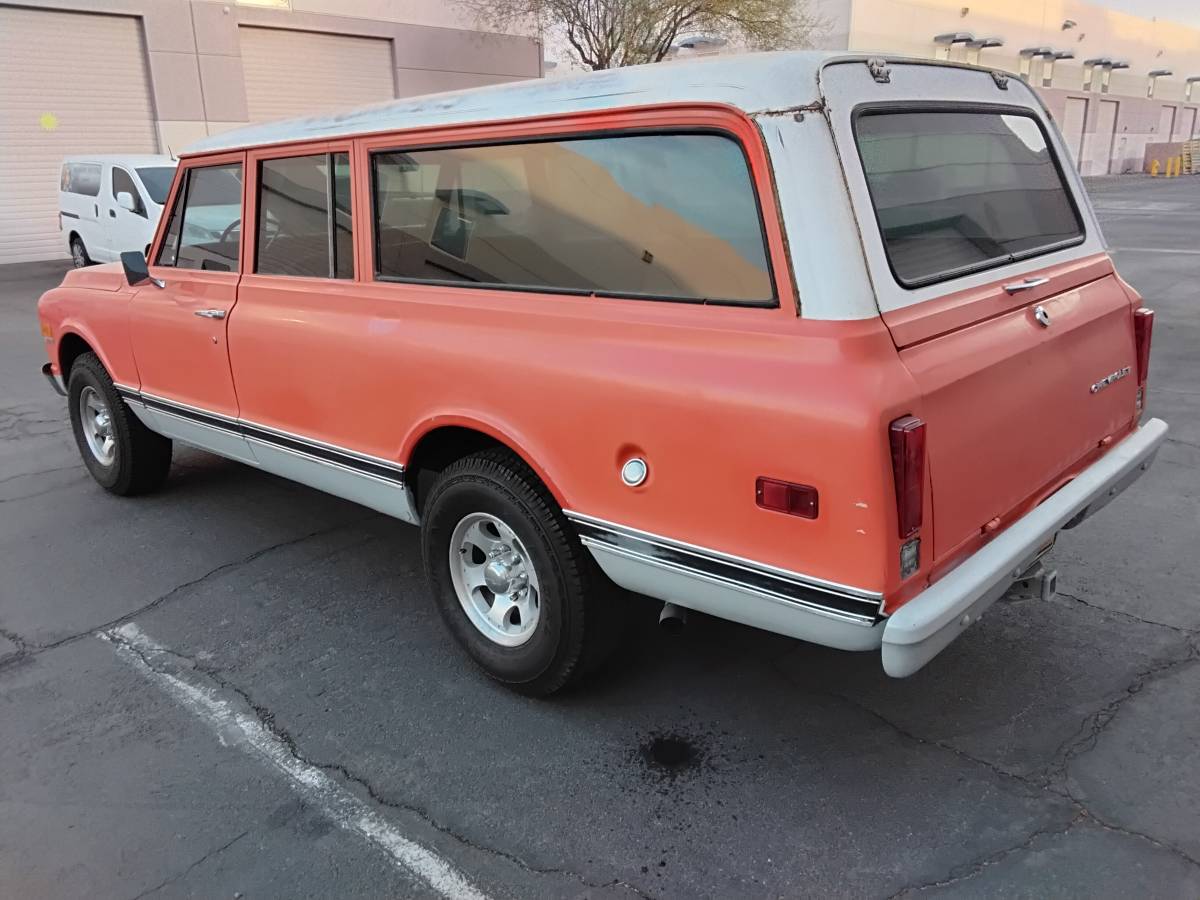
x=112, y=213
x=210, y=313
x=1018, y=286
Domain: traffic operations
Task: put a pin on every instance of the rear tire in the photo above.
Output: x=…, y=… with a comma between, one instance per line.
x=123, y=455
x=79, y=254
x=559, y=614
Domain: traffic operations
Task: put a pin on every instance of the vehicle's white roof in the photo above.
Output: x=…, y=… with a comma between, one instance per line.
x=127, y=159
x=751, y=82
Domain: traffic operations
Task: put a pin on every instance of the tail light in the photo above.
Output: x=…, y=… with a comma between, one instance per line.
x=907, y=438
x=1143, y=331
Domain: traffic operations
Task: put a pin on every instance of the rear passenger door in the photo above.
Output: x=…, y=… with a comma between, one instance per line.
x=297, y=300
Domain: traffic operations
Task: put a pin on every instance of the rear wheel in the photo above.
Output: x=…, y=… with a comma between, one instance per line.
x=123, y=455
x=512, y=581
x=79, y=254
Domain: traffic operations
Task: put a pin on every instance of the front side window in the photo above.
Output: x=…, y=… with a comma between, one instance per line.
x=121, y=181
x=955, y=192
x=671, y=216
x=157, y=180
x=205, y=231
x=304, y=217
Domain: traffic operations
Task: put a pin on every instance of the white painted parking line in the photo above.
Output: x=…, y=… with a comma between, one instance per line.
x=315, y=787
x=1153, y=250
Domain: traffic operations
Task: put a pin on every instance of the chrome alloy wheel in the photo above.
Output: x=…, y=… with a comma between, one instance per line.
x=494, y=579
x=96, y=422
x=78, y=256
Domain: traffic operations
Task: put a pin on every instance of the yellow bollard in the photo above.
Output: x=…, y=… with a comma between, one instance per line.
x=1154, y=168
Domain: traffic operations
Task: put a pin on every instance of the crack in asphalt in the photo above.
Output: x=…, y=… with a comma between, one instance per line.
x=177, y=876
x=972, y=868
x=1125, y=615
x=9, y=478
x=28, y=648
x=49, y=490
x=267, y=719
x=1055, y=781
x=1095, y=723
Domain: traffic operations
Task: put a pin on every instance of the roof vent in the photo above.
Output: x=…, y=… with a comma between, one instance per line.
x=879, y=70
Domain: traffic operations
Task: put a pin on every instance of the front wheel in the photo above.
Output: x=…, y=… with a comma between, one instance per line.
x=79, y=254
x=123, y=455
x=512, y=581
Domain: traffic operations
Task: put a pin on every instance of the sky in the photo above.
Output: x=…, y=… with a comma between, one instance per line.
x=1186, y=12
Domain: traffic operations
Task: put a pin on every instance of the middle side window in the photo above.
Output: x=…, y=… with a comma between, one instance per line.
x=304, y=226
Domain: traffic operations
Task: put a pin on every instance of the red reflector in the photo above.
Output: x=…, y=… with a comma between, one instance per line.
x=907, y=438
x=1143, y=330
x=782, y=496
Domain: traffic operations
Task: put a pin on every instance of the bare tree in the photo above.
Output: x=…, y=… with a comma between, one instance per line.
x=605, y=34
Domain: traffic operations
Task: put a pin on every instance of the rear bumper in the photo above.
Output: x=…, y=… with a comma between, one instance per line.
x=926, y=624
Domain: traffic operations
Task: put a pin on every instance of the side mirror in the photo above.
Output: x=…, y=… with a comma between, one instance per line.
x=136, y=270
x=125, y=201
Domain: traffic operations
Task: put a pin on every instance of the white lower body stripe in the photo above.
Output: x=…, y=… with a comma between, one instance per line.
x=317, y=789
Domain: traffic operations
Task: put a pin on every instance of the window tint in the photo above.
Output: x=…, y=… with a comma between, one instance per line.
x=157, y=180
x=205, y=226
x=959, y=191
x=294, y=219
x=81, y=178
x=121, y=181
x=671, y=216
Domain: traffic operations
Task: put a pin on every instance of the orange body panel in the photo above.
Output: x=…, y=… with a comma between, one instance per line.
x=711, y=396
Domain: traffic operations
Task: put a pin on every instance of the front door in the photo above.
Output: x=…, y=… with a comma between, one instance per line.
x=124, y=229
x=178, y=330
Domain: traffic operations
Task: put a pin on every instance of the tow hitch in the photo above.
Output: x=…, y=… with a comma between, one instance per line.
x=1036, y=583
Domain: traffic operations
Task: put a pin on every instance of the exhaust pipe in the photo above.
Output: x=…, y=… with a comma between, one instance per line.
x=672, y=618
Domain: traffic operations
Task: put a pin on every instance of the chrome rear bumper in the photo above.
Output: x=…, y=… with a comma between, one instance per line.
x=926, y=624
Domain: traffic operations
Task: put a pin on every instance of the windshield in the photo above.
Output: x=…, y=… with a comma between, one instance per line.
x=157, y=180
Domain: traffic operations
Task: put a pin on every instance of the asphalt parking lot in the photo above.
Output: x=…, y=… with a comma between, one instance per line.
x=272, y=707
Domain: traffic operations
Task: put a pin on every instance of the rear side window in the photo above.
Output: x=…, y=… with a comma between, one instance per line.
x=955, y=192
x=81, y=178
x=670, y=216
x=304, y=217
x=205, y=228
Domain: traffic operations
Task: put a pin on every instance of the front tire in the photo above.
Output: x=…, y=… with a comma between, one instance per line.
x=79, y=254
x=122, y=454
x=513, y=583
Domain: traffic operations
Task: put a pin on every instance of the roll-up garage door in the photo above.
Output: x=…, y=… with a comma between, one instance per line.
x=70, y=83
x=297, y=73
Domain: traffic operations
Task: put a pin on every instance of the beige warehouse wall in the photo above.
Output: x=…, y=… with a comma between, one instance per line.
x=193, y=50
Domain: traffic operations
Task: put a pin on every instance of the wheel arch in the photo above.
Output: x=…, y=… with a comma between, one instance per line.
x=71, y=346
x=437, y=442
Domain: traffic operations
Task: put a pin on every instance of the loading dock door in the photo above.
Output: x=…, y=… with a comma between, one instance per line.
x=47, y=113
x=299, y=73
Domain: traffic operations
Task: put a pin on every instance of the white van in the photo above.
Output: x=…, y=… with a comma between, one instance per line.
x=109, y=204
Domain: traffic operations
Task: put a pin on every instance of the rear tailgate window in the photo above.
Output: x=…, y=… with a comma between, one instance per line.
x=961, y=191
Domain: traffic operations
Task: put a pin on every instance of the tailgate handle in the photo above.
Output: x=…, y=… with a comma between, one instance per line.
x=1028, y=283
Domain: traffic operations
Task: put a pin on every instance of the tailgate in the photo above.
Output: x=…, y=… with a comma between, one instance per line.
x=991, y=274
x=1012, y=404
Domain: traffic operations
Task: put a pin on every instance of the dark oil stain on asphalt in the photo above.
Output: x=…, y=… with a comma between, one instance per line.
x=670, y=754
